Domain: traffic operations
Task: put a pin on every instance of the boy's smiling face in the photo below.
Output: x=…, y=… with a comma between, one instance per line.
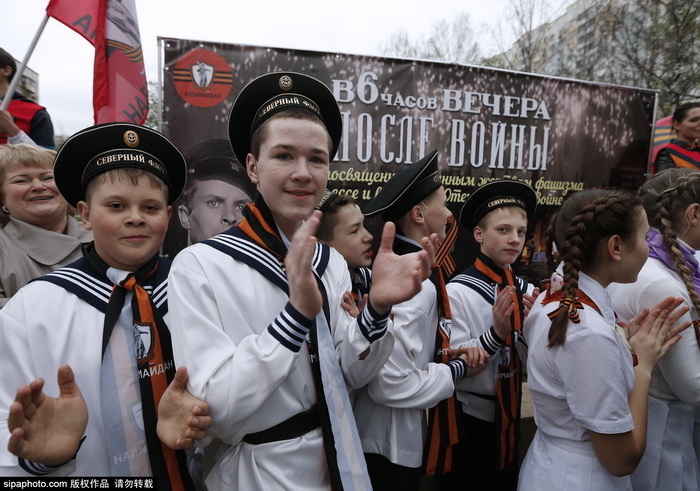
x=503, y=235
x=128, y=222
x=292, y=169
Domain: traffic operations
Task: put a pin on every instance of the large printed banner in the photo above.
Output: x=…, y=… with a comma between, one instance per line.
x=558, y=135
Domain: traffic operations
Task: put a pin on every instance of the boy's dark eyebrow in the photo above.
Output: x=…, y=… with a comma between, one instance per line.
x=121, y=197
x=286, y=146
x=508, y=225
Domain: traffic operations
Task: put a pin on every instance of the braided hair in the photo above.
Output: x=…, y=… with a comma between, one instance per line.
x=666, y=197
x=584, y=222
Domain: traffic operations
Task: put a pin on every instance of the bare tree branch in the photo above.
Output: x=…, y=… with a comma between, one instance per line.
x=448, y=41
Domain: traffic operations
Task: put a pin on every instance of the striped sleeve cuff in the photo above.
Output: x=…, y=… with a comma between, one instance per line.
x=458, y=368
x=35, y=468
x=519, y=338
x=372, y=325
x=38, y=469
x=490, y=341
x=290, y=328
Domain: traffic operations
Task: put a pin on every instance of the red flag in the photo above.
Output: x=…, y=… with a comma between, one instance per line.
x=120, y=89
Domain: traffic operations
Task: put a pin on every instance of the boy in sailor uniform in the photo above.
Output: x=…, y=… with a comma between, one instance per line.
x=343, y=228
x=100, y=324
x=258, y=318
x=390, y=410
x=487, y=311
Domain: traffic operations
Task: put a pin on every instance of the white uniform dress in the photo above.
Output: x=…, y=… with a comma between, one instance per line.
x=390, y=410
x=669, y=460
x=43, y=327
x=227, y=322
x=582, y=385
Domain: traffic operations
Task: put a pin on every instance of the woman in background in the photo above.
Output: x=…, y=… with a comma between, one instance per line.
x=38, y=233
x=683, y=150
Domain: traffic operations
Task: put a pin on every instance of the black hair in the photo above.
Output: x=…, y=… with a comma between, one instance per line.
x=330, y=217
x=6, y=59
x=682, y=111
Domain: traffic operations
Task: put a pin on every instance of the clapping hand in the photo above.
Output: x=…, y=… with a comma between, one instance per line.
x=304, y=294
x=182, y=417
x=44, y=429
x=529, y=301
x=652, y=332
x=395, y=278
x=348, y=304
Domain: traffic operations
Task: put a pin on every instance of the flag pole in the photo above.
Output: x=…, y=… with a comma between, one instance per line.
x=20, y=69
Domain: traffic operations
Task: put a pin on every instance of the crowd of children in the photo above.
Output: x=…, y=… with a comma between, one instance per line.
x=270, y=356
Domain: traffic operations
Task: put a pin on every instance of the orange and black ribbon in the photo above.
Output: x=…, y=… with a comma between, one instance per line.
x=443, y=255
x=259, y=225
x=509, y=377
x=573, y=304
x=570, y=304
x=444, y=421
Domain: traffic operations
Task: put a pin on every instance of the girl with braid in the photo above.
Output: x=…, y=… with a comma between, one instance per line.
x=343, y=228
x=672, y=202
x=589, y=391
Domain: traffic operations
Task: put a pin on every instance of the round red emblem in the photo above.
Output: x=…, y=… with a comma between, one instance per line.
x=202, y=78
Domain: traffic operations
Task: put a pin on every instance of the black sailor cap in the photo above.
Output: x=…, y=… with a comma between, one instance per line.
x=276, y=91
x=405, y=189
x=104, y=147
x=497, y=194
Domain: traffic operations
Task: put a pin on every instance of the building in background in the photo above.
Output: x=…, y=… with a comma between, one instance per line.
x=29, y=84
x=636, y=43
x=572, y=44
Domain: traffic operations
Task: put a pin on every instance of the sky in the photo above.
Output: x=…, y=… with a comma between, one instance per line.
x=64, y=60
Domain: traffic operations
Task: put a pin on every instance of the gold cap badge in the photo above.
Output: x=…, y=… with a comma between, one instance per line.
x=286, y=82
x=131, y=138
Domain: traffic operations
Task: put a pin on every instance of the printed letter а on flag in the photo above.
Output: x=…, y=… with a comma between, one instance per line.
x=120, y=90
